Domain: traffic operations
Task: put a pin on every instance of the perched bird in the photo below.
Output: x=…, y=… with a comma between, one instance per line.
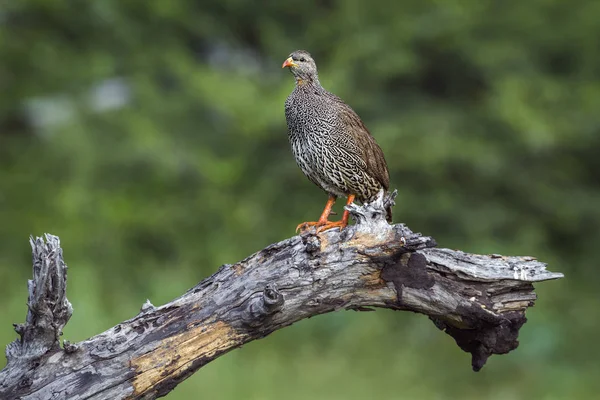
x=332, y=146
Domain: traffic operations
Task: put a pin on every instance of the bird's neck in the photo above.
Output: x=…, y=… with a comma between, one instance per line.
x=307, y=80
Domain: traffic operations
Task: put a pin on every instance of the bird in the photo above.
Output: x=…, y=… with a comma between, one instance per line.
x=331, y=144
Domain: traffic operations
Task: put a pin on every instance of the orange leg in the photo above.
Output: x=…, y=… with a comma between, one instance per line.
x=338, y=224
x=323, y=219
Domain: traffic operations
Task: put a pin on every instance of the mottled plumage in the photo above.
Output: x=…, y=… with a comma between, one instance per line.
x=332, y=146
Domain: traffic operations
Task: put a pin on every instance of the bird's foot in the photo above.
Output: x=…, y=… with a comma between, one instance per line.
x=321, y=225
x=307, y=225
x=330, y=225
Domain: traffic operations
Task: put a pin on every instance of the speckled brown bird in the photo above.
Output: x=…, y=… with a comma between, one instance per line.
x=331, y=144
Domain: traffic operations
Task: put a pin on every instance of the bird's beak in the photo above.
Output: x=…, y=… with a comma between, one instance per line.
x=289, y=63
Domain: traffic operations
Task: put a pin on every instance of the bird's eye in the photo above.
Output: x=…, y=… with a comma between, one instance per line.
x=302, y=59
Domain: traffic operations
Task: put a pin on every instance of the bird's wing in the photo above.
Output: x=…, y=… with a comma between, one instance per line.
x=370, y=151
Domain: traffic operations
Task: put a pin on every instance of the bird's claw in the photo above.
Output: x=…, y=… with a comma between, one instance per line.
x=306, y=225
x=321, y=226
x=330, y=225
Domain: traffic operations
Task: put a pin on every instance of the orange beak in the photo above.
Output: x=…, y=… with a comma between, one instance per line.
x=288, y=63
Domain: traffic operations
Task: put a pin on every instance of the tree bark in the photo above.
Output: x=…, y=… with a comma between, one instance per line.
x=479, y=300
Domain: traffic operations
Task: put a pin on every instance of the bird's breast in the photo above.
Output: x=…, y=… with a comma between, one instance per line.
x=309, y=118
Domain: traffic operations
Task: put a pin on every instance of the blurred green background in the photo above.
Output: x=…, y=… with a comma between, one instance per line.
x=150, y=136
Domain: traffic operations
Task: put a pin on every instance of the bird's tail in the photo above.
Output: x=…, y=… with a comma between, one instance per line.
x=388, y=201
x=388, y=211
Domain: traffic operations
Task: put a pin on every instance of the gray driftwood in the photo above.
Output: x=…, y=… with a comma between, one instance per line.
x=479, y=300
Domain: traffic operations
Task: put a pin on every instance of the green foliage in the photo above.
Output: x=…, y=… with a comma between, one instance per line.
x=487, y=113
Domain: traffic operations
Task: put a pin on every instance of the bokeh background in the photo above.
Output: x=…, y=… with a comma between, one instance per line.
x=150, y=136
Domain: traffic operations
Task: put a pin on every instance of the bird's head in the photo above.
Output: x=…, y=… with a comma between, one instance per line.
x=302, y=65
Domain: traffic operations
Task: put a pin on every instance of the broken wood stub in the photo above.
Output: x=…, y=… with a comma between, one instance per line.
x=48, y=307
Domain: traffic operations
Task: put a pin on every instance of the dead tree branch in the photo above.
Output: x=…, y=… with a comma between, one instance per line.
x=478, y=300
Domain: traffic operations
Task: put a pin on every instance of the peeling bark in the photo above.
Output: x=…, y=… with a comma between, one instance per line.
x=478, y=300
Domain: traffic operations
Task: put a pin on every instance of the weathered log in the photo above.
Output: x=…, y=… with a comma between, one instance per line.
x=479, y=300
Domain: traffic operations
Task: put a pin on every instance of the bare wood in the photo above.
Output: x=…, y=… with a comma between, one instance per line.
x=479, y=300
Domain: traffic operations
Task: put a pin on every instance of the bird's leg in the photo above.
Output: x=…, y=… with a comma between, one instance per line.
x=323, y=219
x=338, y=224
